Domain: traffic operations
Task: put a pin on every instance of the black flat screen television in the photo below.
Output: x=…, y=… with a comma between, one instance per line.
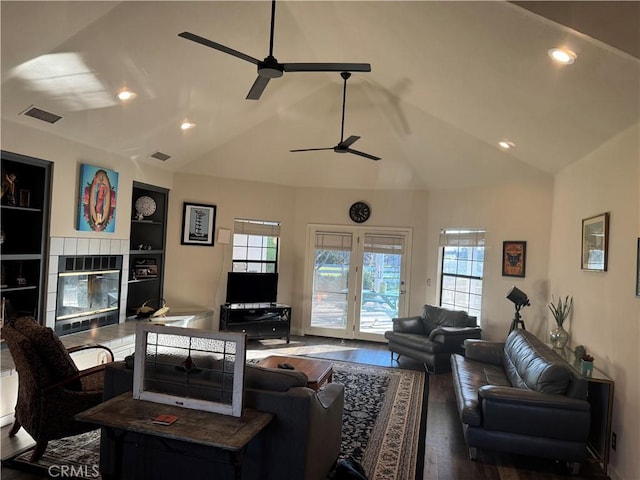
x=252, y=287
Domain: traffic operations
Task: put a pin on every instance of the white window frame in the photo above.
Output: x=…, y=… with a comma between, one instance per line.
x=251, y=236
x=457, y=238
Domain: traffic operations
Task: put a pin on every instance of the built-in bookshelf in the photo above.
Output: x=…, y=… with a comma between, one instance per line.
x=26, y=194
x=147, y=245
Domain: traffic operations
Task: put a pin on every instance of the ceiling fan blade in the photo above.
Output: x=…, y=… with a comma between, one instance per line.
x=326, y=67
x=349, y=141
x=362, y=154
x=210, y=43
x=311, y=149
x=257, y=88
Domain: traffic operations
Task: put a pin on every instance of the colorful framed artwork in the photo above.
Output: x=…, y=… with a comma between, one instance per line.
x=595, y=243
x=97, y=199
x=198, y=224
x=514, y=257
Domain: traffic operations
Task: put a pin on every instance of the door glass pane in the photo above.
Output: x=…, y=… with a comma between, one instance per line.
x=381, y=282
x=331, y=280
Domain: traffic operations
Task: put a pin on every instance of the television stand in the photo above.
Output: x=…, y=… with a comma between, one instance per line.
x=257, y=320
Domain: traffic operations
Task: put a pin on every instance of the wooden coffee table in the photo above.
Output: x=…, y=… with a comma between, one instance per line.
x=318, y=372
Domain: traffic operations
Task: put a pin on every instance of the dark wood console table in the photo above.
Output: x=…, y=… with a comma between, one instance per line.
x=257, y=320
x=126, y=414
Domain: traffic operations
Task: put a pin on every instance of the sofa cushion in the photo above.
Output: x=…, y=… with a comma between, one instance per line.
x=434, y=317
x=273, y=379
x=470, y=375
x=530, y=364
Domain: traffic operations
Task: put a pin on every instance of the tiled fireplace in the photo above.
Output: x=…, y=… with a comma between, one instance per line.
x=86, y=286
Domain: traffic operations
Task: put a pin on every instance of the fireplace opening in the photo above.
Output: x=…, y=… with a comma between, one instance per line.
x=88, y=292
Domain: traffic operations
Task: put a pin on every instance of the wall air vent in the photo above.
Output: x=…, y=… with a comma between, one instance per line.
x=40, y=114
x=161, y=156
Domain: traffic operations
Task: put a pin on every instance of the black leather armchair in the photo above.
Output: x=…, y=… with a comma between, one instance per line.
x=432, y=336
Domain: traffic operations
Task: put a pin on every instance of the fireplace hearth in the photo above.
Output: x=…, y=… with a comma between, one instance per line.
x=88, y=293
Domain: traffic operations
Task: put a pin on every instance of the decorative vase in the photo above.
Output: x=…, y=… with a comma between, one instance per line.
x=559, y=337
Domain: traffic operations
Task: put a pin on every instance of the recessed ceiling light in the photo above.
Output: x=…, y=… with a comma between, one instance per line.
x=562, y=55
x=187, y=125
x=125, y=95
x=506, y=145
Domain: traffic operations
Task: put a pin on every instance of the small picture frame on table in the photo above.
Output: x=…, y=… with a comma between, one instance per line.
x=514, y=257
x=198, y=224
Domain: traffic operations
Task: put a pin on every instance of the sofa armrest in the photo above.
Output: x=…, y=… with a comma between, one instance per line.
x=408, y=325
x=452, y=338
x=484, y=351
x=330, y=394
x=526, y=412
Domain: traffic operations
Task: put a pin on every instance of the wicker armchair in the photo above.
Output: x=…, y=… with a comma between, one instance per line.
x=51, y=389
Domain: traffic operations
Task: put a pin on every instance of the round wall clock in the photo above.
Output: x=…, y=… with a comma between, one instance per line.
x=360, y=212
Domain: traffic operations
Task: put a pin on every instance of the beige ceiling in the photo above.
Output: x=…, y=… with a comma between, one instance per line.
x=448, y=81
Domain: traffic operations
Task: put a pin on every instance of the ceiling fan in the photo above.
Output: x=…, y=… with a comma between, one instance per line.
x=270, y=67
x=344, y=145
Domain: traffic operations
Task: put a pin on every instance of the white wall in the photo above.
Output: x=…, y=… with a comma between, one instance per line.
x=196, y=275
x=507, y=212
x=606, y=315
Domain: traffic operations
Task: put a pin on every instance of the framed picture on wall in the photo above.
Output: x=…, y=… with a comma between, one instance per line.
x=514, y=257
x=198, y=224
x=638, y=270
x=595, y=242
x=97, y=199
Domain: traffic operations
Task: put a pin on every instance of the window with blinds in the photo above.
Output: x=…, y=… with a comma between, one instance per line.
x=462, y=270
x=255, y=246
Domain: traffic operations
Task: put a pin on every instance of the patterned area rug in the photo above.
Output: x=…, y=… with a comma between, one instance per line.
x=72, y=457
x=384, y=421
x=384, y=426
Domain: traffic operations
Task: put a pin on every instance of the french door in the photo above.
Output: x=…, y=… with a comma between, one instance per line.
x=357, y=281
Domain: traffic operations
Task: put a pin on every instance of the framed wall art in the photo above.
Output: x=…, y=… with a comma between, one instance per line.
x=514, y=257
x=97, y=199
x=638, y=270
x=198, y=224
x=595, y=242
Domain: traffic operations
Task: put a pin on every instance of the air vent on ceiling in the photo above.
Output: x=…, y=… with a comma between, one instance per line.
x=161, y=156
x=40, y=114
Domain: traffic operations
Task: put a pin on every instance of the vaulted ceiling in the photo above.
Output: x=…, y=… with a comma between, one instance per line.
x=449, y=80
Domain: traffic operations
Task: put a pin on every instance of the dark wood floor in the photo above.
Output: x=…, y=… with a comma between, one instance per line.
x=446, y=455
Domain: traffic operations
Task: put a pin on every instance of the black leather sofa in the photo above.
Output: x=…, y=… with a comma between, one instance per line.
x=432, y=336
x=521, y=397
